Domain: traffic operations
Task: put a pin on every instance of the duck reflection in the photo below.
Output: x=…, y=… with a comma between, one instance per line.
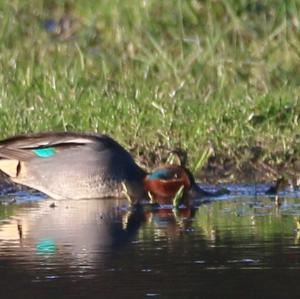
x=71, y=232
x=169, y=221
x=83, y=231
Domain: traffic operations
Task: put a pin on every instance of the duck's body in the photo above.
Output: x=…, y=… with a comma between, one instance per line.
x=71, y=165
x=75, y=165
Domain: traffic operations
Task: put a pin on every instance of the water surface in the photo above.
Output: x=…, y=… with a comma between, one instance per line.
x=242, y=246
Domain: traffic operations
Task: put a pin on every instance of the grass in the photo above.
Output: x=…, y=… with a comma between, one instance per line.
x=206, y=76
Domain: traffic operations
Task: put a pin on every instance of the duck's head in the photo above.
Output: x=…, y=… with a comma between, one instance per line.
x=164, y=182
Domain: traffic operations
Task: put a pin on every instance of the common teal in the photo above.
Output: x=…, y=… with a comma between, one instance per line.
x=75, y=165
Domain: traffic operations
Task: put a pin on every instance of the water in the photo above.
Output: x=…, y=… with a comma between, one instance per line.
x=241, y=246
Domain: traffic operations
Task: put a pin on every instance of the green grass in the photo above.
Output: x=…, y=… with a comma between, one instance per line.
x=222, y=75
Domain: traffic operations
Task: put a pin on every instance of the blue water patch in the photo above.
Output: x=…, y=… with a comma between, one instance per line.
x=21, y=197
x=45, y=152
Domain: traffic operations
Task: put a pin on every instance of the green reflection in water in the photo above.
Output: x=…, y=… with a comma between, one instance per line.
x=239, y=220
x=8, y=210
x=46, y=246
x=260, y=218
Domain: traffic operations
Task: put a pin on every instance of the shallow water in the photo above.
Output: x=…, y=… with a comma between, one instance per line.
x=241, y=246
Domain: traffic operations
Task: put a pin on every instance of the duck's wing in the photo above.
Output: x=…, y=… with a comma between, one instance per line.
x=26, y=147
x=17, y=150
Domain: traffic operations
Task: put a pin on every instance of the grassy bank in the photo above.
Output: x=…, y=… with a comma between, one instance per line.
x=215, y=76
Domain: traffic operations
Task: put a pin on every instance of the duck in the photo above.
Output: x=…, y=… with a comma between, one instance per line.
x=70, y=165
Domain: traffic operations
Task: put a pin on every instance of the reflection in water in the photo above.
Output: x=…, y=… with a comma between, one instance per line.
x=235, y=247
x=73, y=231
